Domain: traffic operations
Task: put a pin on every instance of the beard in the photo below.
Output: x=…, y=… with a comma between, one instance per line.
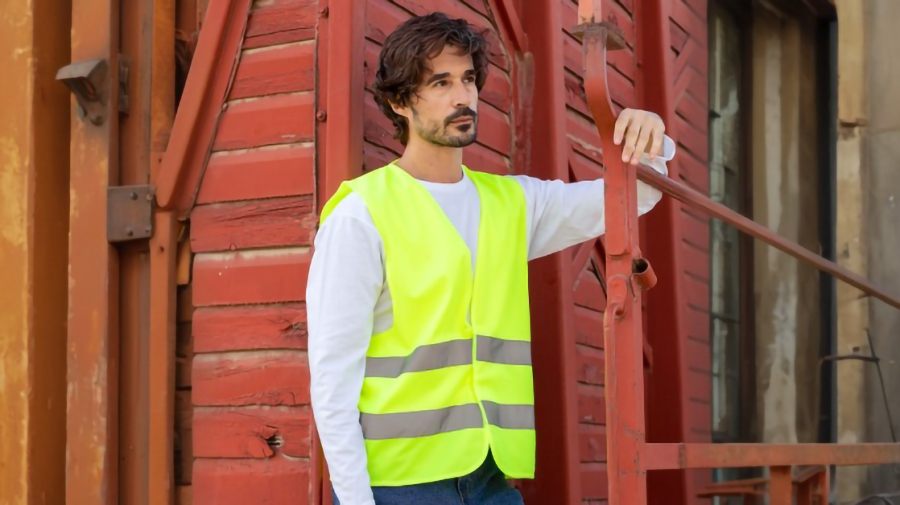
x=445, y=134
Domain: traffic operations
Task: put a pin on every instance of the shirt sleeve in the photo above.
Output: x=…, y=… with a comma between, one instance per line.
x=345, y=280
x=563, y=214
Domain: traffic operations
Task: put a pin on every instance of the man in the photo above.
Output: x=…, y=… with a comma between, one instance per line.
x=419, y=340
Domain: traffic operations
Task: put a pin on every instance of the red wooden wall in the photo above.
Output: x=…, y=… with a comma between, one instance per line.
x=250, y=232
x=252, y=227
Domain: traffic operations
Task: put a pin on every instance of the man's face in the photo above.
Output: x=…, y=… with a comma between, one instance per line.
x=444, y=109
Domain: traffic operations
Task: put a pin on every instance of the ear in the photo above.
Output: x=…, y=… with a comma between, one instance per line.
x=402, y=110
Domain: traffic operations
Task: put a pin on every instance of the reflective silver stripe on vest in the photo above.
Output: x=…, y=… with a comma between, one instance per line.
x=512, y=417
x=421, y=423
x=426, y=357
x=506, y=352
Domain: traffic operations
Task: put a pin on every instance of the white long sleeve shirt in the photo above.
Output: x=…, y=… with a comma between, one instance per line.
x=348, y=299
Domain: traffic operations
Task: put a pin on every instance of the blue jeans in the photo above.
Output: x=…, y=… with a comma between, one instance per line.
x=485, y=486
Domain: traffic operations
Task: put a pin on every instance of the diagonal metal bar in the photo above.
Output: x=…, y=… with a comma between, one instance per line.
x=701, y=202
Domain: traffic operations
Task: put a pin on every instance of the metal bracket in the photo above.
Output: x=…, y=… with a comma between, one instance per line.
x=129, y=212
x=88, y=81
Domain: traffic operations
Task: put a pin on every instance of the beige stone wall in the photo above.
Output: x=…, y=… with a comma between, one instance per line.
x=868, y=229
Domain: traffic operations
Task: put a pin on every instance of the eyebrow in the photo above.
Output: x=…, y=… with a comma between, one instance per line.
x=444, y=75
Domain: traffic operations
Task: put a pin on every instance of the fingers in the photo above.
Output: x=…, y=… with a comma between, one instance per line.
x=622, y=124
x=642, y=132
x=656, y=148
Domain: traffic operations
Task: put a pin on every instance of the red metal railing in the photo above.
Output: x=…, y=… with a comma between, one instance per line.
x=629, y=456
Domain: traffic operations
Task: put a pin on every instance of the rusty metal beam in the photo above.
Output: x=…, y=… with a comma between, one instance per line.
x=625, y=267
x=91, y=434
x=161, y=360
x=660, y=456
x=701, y=202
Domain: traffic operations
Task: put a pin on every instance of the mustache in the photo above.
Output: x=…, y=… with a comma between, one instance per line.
x=461, y=113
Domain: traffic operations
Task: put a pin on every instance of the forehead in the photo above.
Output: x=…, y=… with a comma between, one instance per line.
x=451, y=59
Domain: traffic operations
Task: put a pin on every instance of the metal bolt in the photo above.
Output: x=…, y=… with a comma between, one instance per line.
x=129, y=231
x=321, y=115
x=132, y=195
x=323, y=12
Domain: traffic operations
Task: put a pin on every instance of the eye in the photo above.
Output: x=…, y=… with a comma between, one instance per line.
x=440, y=84
x=469, y=79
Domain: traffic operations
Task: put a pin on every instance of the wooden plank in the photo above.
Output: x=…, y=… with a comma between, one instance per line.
x=282, y=21
x=251, y=378
x=589, y=293
x=257, y=327
x=247, y=277
x=258, y=173
x=383, y=17
x=277, y=119
x=376, y=156
x=275, y=481
x=590, y=365
x=589, y=327
x=594, y=481
x=592, y=443
x=252, y=432
x=282, y=69
x=272, y=222
x=591, y=404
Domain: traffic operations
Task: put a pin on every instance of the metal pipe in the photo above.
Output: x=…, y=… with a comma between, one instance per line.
x=701, y=202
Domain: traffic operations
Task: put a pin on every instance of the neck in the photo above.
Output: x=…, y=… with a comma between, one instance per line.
x=428, y=162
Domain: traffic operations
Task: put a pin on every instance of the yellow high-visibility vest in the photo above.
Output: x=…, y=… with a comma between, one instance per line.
x=441, y=388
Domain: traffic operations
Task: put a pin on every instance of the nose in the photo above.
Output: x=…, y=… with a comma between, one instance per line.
x=461, y=98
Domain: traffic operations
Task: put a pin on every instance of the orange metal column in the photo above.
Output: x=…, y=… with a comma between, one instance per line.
x=93, y=279
x=780, y=486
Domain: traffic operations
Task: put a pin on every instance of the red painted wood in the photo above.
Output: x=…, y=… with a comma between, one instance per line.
x=252, y=432
x=591, y=404
x=589, y=366
x=250, y=277
x=592, y=443
x=253, y=224
x=594, y=482
x=281, y=21
x=278, y=119
x=282, y=69
x=245, y=328
x=258, y=378
x=258, y=173
x=383, y=17
x=589, y=293
x=272, y=481
x=376, y=156
x=588, y=327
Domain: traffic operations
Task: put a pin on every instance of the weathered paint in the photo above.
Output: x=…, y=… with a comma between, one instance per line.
x=92, y=420
x=33, y=210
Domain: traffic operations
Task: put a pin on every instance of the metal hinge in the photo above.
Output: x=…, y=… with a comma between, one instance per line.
x=129, y=212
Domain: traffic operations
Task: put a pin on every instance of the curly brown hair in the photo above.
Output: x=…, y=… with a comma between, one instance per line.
x=403, y=62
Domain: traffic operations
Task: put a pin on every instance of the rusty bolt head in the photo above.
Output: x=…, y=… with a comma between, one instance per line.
x=129, y=231
x=321, y=115
x=323, y=12
x=132, y=195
